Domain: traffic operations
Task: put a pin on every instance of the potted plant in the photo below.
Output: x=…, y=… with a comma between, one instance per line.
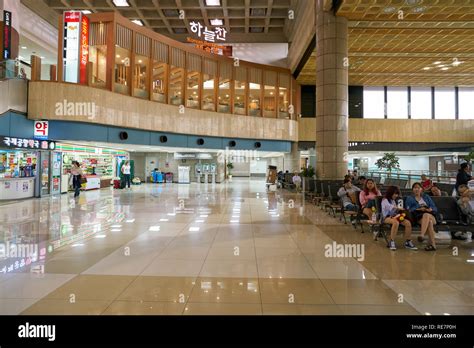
x=308, y=175
x=230, y=166
x=389, y=162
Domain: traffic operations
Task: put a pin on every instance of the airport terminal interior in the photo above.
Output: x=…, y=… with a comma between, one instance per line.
x=236, y=157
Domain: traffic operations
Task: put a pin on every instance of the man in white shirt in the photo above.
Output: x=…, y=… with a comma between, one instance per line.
x=297, y=181
x=126, y=173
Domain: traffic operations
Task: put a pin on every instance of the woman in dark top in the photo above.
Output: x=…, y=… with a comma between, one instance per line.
x=422, y=208
x=463, y=176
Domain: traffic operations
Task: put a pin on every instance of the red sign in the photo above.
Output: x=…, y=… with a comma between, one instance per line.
x=7, y=35
x=41, y=129
x=72, y=16
x=84, y=50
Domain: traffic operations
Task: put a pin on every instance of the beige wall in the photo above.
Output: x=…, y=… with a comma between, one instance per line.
x=459, y=131
x=123, y=111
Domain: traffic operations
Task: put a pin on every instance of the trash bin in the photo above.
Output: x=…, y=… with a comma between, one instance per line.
x=169, y=177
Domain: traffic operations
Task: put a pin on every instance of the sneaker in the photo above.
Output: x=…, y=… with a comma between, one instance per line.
x=392, y=245
x=460, y=235
x=409, y=245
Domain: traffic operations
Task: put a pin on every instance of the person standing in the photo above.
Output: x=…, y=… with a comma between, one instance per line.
x=297, y=181
x=76, y=173
x=126, y=173
x=463, y=176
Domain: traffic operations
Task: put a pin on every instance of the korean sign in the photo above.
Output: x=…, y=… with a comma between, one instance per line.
x=209, y=35
x=41, y=130
x=27, y=143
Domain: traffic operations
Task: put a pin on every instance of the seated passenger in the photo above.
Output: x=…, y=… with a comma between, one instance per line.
x=466, y=202
x=423, y=211
x=347, y=194
x=362, y=180
x=436, y=192
x=367, y=197
x=391, y=214
x=426, y=183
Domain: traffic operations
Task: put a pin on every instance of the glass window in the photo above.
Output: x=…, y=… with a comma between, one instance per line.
x=208, y=93
x=159, y=82
x=224, y=96
x=98, y=58
x=122, y=70
x=239, y=99
x=140, y=77
x=420, y=103
x=397, y=102
x=192, y=90
x=445, y=103
x=466, y=103
x=254, y=99
x=283, y=103
x=374, y=102
x=269, y=101
x=175, y=90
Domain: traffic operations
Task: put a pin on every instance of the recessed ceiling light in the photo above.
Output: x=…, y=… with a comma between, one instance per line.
x=121, y=3
x=445, y=68
x=436, y=63
x=256, y=29
x=217, y=22
x=42, y=57
x=390, y=9
x=86, y=11
x=419, y=9
x=24, y=47
x=138, y=21
x=213, y=2
x=457, y=62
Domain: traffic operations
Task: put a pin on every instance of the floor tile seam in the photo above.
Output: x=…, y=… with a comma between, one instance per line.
x=256, y=263
x=198, y=274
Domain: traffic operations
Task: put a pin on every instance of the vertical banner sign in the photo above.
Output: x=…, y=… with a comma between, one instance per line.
x=7, y=35
x=71, y=45
x=84, y=49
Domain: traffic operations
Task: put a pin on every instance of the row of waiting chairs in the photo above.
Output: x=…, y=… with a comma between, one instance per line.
x=325, y=195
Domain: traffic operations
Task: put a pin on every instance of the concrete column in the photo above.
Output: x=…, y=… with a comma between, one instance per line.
x=331, y=94
x=292, y=159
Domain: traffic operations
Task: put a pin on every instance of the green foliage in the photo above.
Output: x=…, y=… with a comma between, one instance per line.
x=307, y=172
x=470, y=157
x=230, y=166
x=388, y=162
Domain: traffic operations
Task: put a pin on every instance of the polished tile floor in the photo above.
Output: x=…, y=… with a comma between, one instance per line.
x=231, y=248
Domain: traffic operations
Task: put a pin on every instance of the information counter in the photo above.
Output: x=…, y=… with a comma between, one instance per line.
x=17, y=188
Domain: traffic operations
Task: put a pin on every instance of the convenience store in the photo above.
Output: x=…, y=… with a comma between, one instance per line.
x=100, y=165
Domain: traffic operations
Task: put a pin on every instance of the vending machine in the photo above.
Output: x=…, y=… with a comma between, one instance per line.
x=56, y=163
x=183, y=175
